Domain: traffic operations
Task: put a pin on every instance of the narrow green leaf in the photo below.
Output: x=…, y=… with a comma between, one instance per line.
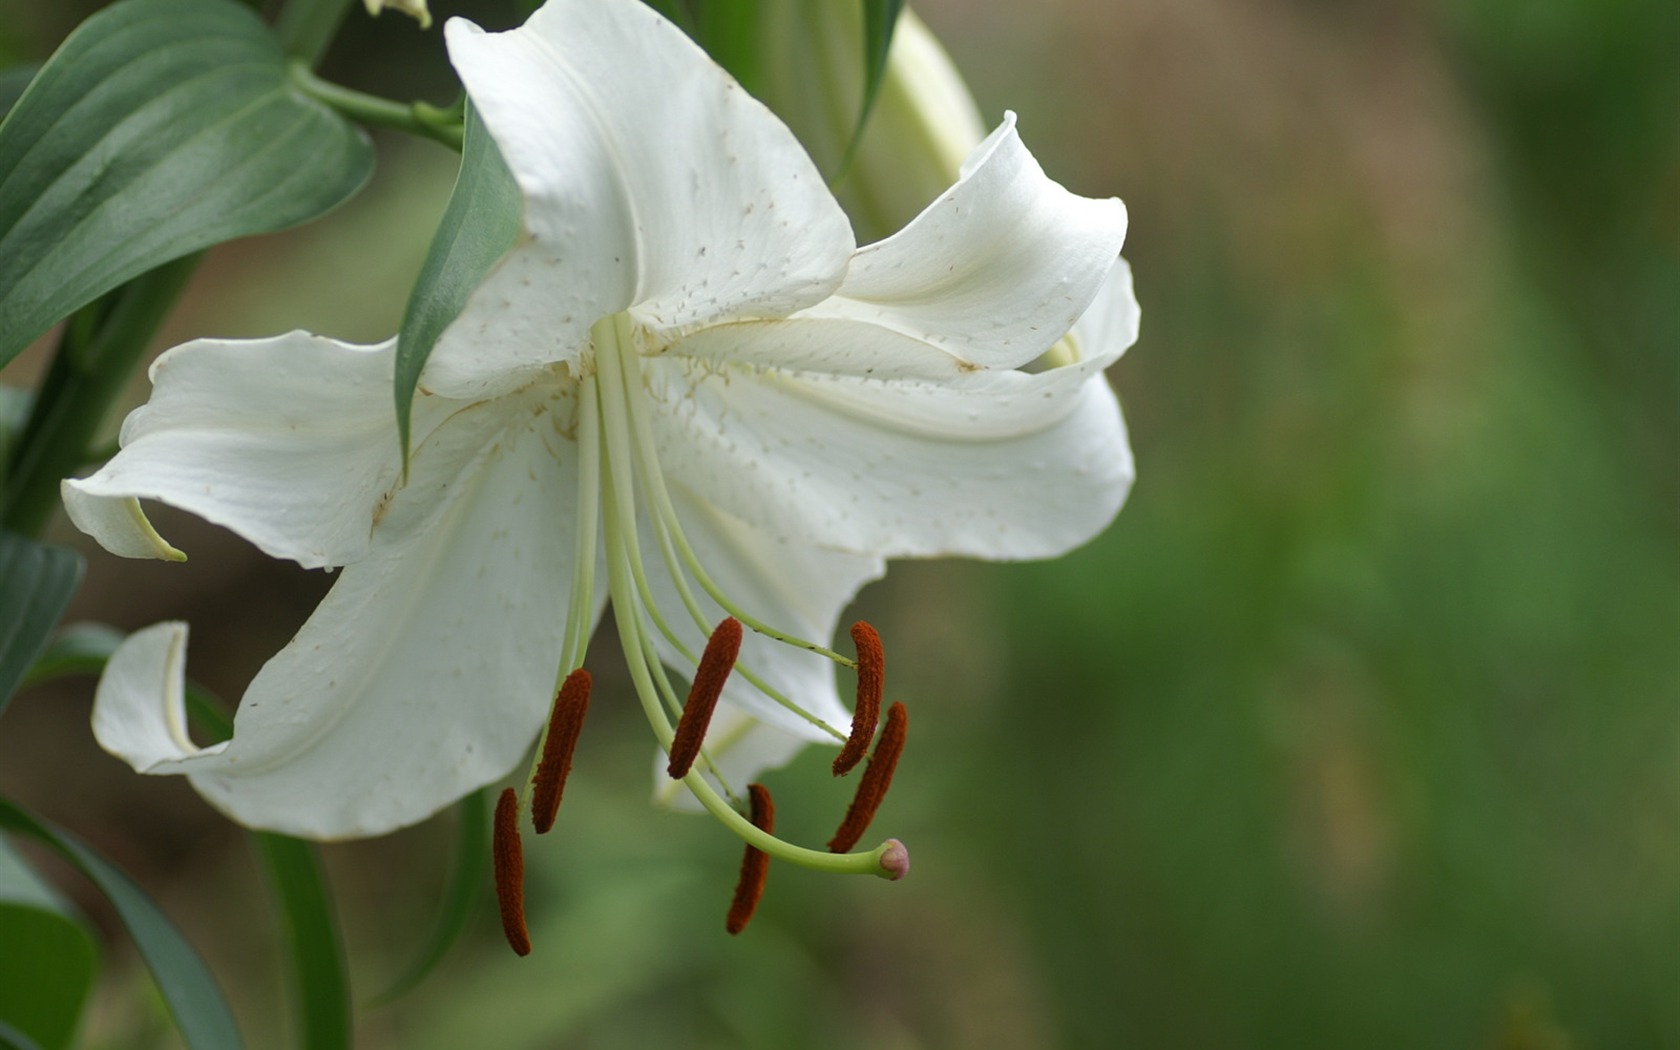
x=159, y=128
x=196, y=1003
x=466, y=884
x=310, y=925
x=480, y=225
x=50, y=958
x=728, y=30
x=80, y=648
x=880, y=18
x=37, y=580
x=15, y=402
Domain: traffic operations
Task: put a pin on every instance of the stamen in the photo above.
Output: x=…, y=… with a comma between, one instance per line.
x=633, y=634
x=755, y=863
x=507, y=854
x=571, y=703
x=721, y=650
x=877, y=777
x=871, y=681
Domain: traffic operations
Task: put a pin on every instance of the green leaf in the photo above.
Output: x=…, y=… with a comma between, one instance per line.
x=80, y=648
x=12, y=83
x=199, y=1010
x=480, y=225
x=49, y=962
x=466, y=881
x=160, y=127
x=14, y=410
x=37, y=580
x=880, y=18
x=310, y=926
x=728, y=30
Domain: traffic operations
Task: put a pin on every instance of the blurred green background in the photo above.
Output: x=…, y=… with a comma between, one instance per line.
x=1361, y=727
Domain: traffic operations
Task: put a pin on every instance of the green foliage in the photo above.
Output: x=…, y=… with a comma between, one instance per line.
x=479, y=226
x=471, y=866
x=12, y=83
x=159, y=128
x=190, y=992
x=309, y=923
x=729, y=31
x=310, y=927
x=80, y=648
x=37, y=580
x=880, y=17
x=50, y=959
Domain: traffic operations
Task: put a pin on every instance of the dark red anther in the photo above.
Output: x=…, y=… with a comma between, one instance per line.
x=755, y=864
x=715, y=664
x=571, y=703
x=872, y=786
x=507, y=854
x=871, y=681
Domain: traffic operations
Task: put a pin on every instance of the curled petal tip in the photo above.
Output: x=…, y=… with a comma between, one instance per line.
x=895, y=860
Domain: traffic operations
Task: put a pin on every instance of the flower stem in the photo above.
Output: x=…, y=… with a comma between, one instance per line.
x=445, y=124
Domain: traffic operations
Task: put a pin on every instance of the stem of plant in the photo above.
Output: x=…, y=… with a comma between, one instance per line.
x=101, y=345
x=442, y=124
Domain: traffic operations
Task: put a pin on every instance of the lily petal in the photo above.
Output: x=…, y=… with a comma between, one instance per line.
x=286, y=441
x=139, y=707
x=794, y=587
x=1109, y=326
x=1000, y=465
x=996, y=269
x=119, y=524
x=426, y=671
x=805, y=343
x=657, y=184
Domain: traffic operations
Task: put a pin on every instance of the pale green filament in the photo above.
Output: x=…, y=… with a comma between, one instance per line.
x=580, y=619
x=632, y=604
x=662, y=506
x=666, y=527
x=631, y=634
x=662, y=536
x=580, y=616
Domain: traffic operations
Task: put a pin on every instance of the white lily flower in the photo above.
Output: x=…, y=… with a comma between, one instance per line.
x=685, y=382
